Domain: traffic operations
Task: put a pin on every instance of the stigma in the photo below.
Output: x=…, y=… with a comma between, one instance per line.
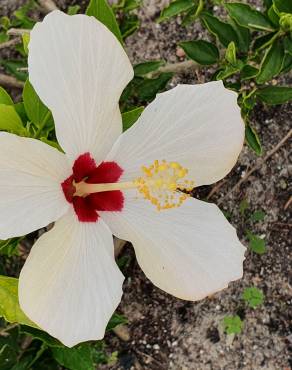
x=162, y=183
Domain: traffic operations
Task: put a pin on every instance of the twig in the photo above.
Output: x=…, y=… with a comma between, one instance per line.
x=174, y=67
x=257, y=166
x=48, y=5
x=10, y=81
x=4, y=331
x=287, y=204
x=215, y=188
x=10, y=43
x=17, y=31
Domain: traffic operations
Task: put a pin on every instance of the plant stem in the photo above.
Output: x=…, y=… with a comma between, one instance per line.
x=174, y=67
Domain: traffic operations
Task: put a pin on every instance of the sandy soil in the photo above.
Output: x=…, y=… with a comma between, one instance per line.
x=166, y=333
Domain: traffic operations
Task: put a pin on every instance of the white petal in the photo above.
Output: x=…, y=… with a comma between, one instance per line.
x=189, y=252
x=31, y=174
x=70, y=284
x=198, y=126
x=79, y=69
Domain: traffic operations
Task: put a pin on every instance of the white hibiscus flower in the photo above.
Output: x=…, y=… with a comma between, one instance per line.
x=109, y=182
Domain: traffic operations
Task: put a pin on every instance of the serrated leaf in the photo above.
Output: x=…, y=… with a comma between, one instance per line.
x=175, y=8
x=233, y=324
x=101, y=10
x=202, y=52
x=252, y=139
x=253, y=296
x=256, y=244
x=273, y=95
x=222, y=30
x=248, y=17
x=9, y=306
x=272, y=63
x=35, y=109
x=144, y=68
x=5, y=97
x=76, y=358
x=129, y=118
x=10, y=120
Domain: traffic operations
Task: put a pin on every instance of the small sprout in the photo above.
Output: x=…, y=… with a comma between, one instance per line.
x=243, y=206
x=253, y=296
x=258, y=216
x=233, y=324
x=256, y=244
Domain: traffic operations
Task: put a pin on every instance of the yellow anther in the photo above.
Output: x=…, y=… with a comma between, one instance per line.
x=162, y=183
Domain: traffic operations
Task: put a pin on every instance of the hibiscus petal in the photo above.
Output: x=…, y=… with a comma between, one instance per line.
x=70, y=284
x=79, y=69
x=189, y=252
x=198, y=126
x=31, y=196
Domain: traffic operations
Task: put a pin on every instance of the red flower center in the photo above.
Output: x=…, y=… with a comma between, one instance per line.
x=85, y=169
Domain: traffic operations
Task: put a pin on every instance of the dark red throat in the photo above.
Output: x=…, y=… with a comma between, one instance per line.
x=86, y=208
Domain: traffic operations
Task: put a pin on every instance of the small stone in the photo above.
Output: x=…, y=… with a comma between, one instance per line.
x=180, y=53
x=156, y=347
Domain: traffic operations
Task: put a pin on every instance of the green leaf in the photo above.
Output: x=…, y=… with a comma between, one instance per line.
x=34, y=107
x=232, y=324
x=283, y=6
x=10, y=120
x=193, y=13
x=258, y=216
x=287, y=63
x=101, y=10
x=142, y=69
x=243, y=36
x=76, y=358
x=253, y=296
x=273, y=16
x=272, y=63
x=129, y=118
x=73, y=9
x=256, y=244
x=248, y=17
x=202, y=52
x=288, y=45
x=148, y=88
x=273, y=95
x=222, y=30
x=9, y=247
x=175, y=8
x=129, y=24
x=3, y=37
x=12, y=66
x=9, y=306
x=243, y=206
x=8, y=357
x=116, y=320
x=41, y=335
x=248, y=72
x=227, y=72
x=252, y=139
x=25, y=42
x=5, y=97
x=263, y=42
x=230, y=54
